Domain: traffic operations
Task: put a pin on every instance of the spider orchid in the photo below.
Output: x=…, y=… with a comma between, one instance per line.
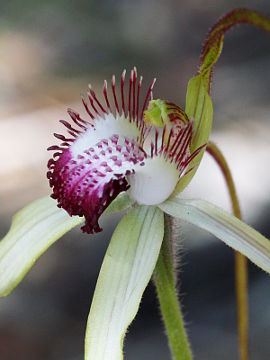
x=117, y=152
x=128, y=154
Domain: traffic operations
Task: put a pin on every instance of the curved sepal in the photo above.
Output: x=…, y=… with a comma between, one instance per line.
x=224, y=226
x=126, y=270
x=33, y=230
x=198, y=101
x=214, y=41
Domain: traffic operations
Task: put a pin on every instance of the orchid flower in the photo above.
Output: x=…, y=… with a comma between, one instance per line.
x=137, y=156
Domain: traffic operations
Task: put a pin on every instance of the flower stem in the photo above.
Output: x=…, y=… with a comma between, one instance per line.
x=164, y=279
x=241, y=272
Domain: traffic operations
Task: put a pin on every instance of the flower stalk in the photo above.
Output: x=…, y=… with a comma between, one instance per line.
x=164, y=279
x=241, y=270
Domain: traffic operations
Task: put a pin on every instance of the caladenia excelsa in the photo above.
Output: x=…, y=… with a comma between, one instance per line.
x=136, y=154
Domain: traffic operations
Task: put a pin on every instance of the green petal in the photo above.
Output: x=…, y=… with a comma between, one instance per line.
x=126, y=270
x=33, y=230
x=224, y=226
x=199, y=108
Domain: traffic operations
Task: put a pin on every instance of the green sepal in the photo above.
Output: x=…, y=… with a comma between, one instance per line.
x=213, y=44
x=226, y=227
x=33, y=230
x=198, y=102
x=126, y=270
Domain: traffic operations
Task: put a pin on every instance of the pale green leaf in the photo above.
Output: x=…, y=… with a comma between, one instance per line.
x=224, y=226
x=126, y=270
x=33, y=230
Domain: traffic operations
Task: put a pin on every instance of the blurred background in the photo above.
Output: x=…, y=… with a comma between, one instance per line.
x=49, y=52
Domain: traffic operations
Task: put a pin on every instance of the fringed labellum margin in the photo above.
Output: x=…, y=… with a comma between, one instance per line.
x=116, y=150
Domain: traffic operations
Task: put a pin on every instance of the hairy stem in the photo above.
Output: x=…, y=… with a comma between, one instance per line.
x=164, y=279
x=241, y=273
